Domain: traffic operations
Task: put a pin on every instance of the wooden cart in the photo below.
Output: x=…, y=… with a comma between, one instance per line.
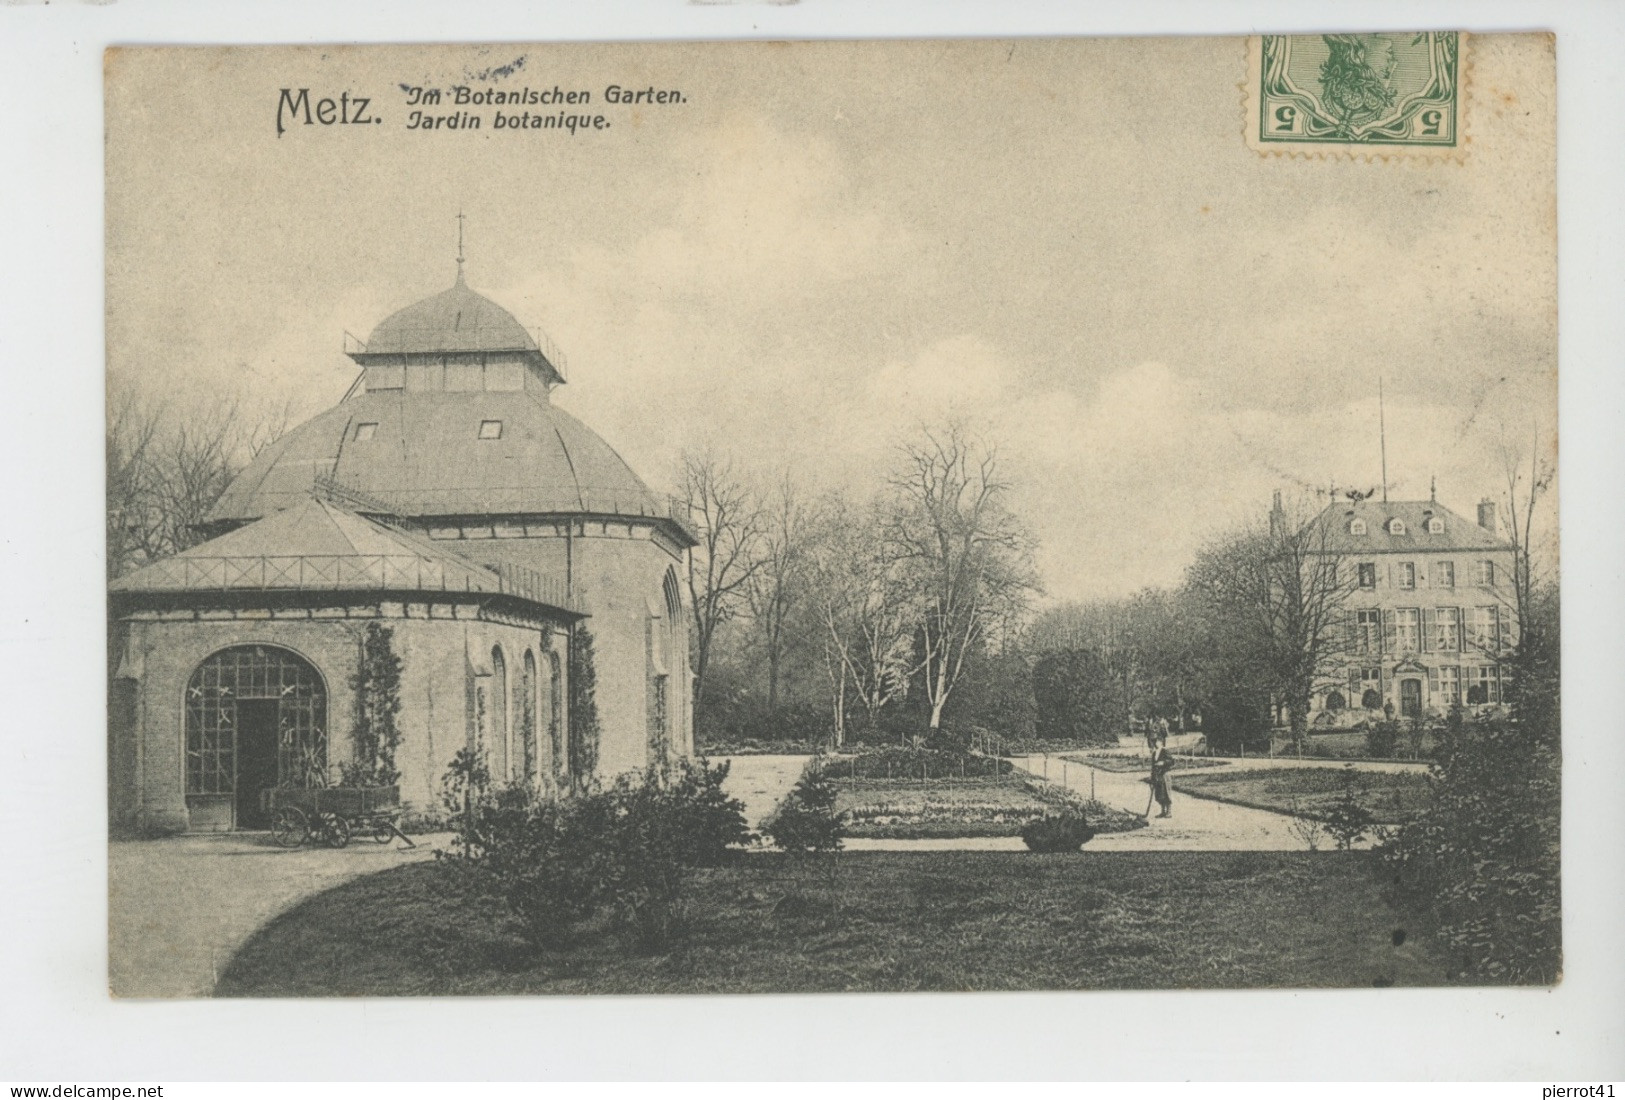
x=330, y=816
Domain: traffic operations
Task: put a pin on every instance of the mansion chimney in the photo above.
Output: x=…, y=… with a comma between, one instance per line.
x=1486, y=515
x=1278, y=517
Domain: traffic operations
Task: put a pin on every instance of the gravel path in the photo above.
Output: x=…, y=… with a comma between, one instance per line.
x=761, y=782
x=1197, y=824
x=179, y=908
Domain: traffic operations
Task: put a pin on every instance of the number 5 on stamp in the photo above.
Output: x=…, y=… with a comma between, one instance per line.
x=1373, y=94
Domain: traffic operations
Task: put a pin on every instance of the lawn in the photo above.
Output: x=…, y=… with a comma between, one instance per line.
x=877, y=921
x=1392, y=798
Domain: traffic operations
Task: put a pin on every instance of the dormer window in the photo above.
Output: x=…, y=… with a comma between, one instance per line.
x=490, y=429
x=1357, y=527
x=365, y=430
x=1435, y=526
x=1396, y=527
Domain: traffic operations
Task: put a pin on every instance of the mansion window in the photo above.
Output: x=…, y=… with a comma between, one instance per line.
x=1446, y=685
x=1368, y=631
x=1368, y=574
x=1483, y=684
x=1486, y=574
x=1408, y=629
x=1435, y=526
x=1447, y=629
x=490, y=429
x=1396, y=527
x=1407, y=574
x=1357, y=527
x=1371, y=688
x=366, y=430
x=1484, y=628
x=1444, y=574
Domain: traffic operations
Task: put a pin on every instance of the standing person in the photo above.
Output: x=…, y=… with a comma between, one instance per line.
x=1162, y=727
x=1162, y=762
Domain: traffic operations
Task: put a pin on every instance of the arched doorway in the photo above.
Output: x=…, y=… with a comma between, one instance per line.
x=256, y=717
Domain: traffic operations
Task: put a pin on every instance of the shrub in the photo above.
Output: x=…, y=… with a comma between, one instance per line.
x=464, y=790
x=1348, y=820
x=1065, y=831
x=805, y=821
x=706, y=820
x=1482, y=858
x=1382, y=738
x=624, y=852
x=730, y=715
x=1074, y=699
x=1236, y=720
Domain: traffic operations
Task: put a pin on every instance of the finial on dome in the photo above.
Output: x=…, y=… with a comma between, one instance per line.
x=460, y=248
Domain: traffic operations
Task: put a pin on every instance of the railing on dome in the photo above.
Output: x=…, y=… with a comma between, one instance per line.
x=346, y=496
x=391, y=505
x=432, y=339
x=352, y=572
x=552, y=353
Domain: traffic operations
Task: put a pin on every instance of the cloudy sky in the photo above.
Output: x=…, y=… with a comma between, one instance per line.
x=825, y=245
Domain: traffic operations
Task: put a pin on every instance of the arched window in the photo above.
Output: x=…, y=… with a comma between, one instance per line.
x=525, y=719
x=1371, y=699
x=498, y=719
x=1357, y=527
x=1334, y=700
x=1396, y=527
x=1435, y=526
x=256, y=717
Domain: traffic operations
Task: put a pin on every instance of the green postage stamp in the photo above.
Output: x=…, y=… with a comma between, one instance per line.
x=1377, y=94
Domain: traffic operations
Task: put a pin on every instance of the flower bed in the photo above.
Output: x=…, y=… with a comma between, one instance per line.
x=1137, y=762
x=899, y=809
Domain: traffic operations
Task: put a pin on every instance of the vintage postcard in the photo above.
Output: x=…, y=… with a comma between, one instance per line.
x=839, y=516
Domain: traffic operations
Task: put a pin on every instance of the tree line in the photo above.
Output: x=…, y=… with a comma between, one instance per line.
x=907, y=609
x=874, y=611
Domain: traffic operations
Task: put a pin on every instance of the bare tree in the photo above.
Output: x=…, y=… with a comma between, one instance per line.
x=721, y=567
x=968, y=556
x=778, y=586
x=130, y=434
x=867, y=610
x=1279, y=594
x=167, y=469
x=1525, y=488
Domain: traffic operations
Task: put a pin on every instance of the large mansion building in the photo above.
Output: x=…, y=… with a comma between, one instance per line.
x=1430, y=610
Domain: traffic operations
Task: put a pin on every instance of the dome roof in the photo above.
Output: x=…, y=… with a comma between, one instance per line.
x=440, y=454
x=453, y=320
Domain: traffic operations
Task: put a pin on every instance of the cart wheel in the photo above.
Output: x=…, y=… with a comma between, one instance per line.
x=289, y=828
x=335, y=831
x=382, y=831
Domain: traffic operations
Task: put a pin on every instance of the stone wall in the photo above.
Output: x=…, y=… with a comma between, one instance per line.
x=445, y=651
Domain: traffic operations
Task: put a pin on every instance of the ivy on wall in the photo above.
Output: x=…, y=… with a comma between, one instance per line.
x=583, y=720
x=377, y=732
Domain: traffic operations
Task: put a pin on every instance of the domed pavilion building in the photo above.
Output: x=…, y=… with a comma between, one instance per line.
x=448, y=500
